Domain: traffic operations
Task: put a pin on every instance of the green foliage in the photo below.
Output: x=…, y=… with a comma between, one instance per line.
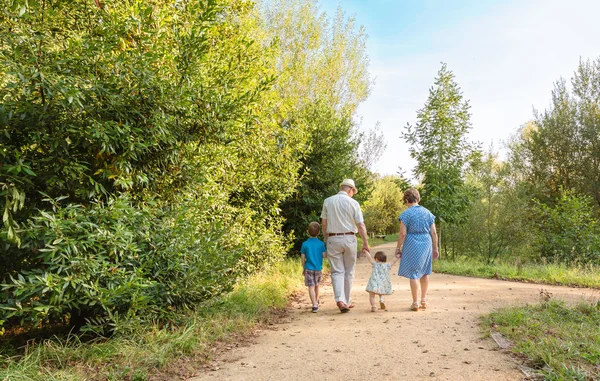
x=175, y=130
x=518, y=270
x=322, y=76
x=332, y=157
x=555, y=160
x=384, y=205
x=569, y=231
x=497, y=223
x=14, y=200
x=319, y=58
x=439, y=145
x=542, y=204
x=374, y=241
x=103, y=263
x=153, y=349
x=155, y=120
x=91, y=108
x=560, y=149
x=79, y=95
x=401, y=181
x=562, y=342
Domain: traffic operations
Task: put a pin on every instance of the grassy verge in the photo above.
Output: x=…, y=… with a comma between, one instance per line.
x=172, y=351
x=561, y=342
x=535, y=273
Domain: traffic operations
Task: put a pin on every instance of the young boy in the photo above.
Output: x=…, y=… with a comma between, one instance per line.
x=313, y=251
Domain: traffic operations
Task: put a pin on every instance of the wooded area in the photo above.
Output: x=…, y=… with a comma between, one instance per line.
x=541, y=204
x=152, y=154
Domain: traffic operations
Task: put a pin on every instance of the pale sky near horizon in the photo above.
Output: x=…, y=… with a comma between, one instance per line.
x=506, y=56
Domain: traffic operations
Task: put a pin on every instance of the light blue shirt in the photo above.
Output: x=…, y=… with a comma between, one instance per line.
x=313, y=249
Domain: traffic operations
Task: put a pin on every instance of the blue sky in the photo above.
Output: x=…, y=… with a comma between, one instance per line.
x=506, y=56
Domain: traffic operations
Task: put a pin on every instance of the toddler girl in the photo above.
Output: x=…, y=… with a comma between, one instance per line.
x=379, y=282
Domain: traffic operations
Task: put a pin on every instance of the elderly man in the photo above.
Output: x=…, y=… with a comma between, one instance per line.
x=341, y=219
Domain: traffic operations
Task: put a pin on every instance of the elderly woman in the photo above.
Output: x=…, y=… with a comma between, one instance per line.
x=417, y=246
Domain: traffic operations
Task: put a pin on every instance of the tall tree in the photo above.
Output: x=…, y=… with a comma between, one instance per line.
x=560, y=149
x=319, y=58
x=322, y=76
x=586, y=89
x=332, y=155
x=438, y=142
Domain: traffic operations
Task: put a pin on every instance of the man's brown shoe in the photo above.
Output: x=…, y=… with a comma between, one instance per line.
x=343, y=307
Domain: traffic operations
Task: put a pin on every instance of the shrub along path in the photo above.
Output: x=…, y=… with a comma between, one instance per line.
x=444, y=342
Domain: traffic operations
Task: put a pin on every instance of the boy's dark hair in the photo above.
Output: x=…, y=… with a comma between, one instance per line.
x=380, y=256
x=313, y=229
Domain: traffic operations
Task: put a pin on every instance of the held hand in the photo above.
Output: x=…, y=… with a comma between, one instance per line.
x=436, y=254
x=365, y=247
x=303, y=272
x=398, y=252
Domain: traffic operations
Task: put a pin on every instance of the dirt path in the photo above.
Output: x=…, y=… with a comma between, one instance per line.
x=441, y=343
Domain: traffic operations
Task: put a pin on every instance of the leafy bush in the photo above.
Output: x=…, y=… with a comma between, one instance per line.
x=384, y=206
x=331, y=157
x=568, y=231
x=166, y=101
x=101, y=98
x=98, y=264
x=154, y=348
x=160, y=124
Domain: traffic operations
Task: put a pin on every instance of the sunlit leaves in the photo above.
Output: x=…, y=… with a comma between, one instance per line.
x=438, y=142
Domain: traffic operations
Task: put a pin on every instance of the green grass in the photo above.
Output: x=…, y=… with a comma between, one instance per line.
x=159, y=349
x=378, y=241
x=553, y=274
x=561, y=342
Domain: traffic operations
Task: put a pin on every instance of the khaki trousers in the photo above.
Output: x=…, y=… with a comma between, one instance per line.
x=341, y=252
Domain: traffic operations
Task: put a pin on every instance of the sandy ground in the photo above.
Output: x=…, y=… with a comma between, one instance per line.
x=444, y=342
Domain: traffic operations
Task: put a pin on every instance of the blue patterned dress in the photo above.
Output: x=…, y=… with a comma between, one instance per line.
x=379, y=282
x=416, y=250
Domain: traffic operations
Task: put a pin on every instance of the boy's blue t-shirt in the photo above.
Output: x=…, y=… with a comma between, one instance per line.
x=313, y=248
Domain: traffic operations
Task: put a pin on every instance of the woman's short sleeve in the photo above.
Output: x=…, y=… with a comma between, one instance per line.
x=403, y=217
x=431, y=218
